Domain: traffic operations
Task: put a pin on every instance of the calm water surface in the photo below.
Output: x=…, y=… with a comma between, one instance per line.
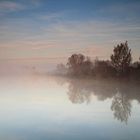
x=40, y=107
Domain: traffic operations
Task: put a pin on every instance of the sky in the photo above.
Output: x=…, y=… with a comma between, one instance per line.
x=55, y=29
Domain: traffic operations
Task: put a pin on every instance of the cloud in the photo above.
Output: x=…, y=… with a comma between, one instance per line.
x=121, y=10
x=52, y=16
x=97, y=31
x=56, y=16
x=93, y=38
x=36, y=2
x=9, y=6
x=14, y=6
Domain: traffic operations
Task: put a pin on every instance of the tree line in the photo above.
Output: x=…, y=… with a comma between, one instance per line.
x=119, y=65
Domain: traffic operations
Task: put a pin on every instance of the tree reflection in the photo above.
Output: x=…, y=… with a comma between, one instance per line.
x=121, y=93
x=77, y=94
x=121, y=107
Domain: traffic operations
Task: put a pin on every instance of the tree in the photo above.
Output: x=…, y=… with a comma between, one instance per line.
x=103, y=68
x=75, y=62
x=78, y=64
x=121, y=58
x=87, y=67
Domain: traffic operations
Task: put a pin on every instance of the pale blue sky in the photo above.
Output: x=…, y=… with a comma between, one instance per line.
x=57, y=28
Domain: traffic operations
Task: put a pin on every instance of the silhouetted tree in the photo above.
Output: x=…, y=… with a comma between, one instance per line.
x=75, y=62
x=87, y=67
x=78, y=64
x=120, y=65
x=121, y=58
x=103, y=68
x=135, y=70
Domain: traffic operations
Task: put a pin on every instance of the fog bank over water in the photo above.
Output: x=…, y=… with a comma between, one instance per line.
x=120, y=92
x=41, y=106
x=19, y=67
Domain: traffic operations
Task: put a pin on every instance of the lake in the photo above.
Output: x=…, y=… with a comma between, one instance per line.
x=43, y=107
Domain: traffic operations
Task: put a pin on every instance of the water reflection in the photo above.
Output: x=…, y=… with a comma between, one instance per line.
x=121, y=92
x=121, y=107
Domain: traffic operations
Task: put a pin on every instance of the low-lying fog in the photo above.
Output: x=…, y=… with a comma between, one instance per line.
x=38, y=106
